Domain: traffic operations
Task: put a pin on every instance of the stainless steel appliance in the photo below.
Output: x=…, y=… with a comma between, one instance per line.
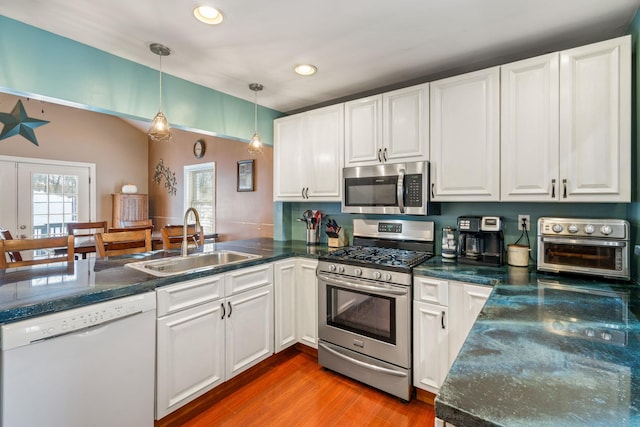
x=596, y=247
x=393, y=188
x=480, y=240
x=364, y=303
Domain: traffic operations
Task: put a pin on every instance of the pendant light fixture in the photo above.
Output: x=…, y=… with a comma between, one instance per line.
x=160, y=130
x=255, y=145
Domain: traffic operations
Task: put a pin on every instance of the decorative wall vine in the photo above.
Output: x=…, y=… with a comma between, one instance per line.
x=170, y=181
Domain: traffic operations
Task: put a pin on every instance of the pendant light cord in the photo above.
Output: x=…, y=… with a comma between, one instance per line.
x=160, y=106
x=255, y=112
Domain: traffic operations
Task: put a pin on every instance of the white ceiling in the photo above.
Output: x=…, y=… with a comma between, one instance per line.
x=358, y=45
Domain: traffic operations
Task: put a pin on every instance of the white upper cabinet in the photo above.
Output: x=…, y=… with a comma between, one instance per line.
x=595, y=122
x=391, y=127
x=465, y=137
x=566, y=125
x=308, y=155
x=529, y=129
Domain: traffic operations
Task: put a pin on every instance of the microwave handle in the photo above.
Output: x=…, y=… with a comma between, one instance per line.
x=400, y=190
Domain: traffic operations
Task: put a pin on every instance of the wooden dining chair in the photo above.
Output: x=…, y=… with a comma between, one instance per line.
x=123, y=242
x=59, y=243
x=136, y=224
x=6, y=235
x=172, y=236
x=84, y=232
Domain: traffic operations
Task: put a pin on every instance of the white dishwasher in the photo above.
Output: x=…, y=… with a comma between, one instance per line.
x=90, y=366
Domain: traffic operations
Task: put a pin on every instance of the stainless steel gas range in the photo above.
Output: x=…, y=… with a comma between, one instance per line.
x=364, y=303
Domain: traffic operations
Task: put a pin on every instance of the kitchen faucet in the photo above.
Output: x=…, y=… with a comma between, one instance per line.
x=184, y=228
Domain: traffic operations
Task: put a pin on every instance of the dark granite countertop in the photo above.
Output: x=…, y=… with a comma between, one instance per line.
x=529, y=359
x=34, y=291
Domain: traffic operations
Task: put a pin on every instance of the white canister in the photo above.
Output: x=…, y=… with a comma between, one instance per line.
x=129, y=189
x=518, y=255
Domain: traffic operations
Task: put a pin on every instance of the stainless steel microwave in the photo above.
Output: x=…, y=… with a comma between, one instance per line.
x=392, y=188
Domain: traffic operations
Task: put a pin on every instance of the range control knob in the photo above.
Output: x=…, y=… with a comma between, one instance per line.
x=606, y=230
x=357, y=272
x=376, y=275
x=606, y=336
x=557, y=228
x=332, y=267
x=386, y=277
x=341, y=269
x=589, y=229
x=590, y=333
x=573, y=228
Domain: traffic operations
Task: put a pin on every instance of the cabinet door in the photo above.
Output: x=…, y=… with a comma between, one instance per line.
x=190, y=355
x=129, y=207
x=406, y=124
x=465, y=137
x=465, y=303
x=363, y=131
x=430, y=345
x=529, y=164
x=249, y=329
x=323, y=152
x=284, y=283
x=288, y=150
x=595, y=122
x=307, y=302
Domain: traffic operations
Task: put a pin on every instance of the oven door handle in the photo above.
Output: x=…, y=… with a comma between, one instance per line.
x=364, y=364
x=358, y=285
x=590, y=242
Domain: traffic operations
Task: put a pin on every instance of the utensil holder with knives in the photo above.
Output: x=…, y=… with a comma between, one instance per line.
x=337, y=239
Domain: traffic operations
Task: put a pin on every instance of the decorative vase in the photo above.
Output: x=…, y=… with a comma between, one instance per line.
x=129, y=189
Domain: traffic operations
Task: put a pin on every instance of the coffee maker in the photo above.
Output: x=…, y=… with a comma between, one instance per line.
x=481, y=240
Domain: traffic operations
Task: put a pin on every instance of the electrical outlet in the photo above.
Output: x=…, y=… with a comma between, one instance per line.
x=526, y=219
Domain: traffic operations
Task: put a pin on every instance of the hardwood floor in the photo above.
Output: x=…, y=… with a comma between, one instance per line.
x=299, y=392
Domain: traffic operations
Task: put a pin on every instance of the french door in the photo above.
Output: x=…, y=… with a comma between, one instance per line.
x=42, y=196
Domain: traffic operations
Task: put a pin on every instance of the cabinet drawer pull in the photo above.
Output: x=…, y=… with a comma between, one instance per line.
x=230, y=309
x=564, y=190
x=433, y=187
x=302, y=193
x=384, y=155
x=223, y=312
x=553, y=188
x=442, y=321
x=380, y=154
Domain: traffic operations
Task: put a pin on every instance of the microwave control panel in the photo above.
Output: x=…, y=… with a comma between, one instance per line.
x=413, y=185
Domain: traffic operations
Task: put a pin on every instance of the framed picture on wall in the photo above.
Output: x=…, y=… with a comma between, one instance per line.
x=245, y=175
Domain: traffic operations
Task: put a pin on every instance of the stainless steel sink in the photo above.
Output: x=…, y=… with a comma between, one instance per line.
x=188, y=264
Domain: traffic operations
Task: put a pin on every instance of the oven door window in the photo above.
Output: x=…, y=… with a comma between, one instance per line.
x=371, y=191
x=367, y=314
x=583, y=255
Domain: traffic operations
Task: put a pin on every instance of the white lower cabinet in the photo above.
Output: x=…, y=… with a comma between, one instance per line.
x=443, y=313
x=430, y=333
x=209, y=330
x=296, y=318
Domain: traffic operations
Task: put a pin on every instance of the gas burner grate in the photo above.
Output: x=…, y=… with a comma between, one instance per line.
x=379, y=256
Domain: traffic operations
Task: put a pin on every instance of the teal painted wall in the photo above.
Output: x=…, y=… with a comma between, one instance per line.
x=42, y=65
x=633, y=209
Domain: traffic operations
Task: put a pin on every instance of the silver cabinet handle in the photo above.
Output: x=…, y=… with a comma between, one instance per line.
x=553, y=188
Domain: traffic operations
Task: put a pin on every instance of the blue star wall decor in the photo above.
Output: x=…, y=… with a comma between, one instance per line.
x=17, y=122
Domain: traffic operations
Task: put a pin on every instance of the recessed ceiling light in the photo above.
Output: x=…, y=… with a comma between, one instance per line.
x=305, y=69
x=208, y=15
